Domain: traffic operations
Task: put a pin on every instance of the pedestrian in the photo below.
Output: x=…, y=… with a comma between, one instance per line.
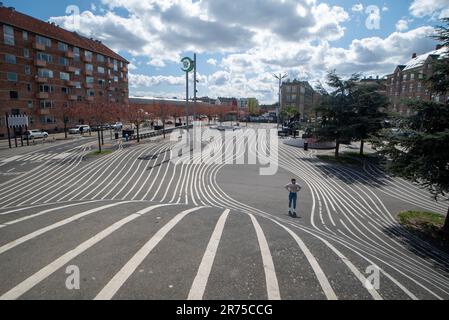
x=293, y=188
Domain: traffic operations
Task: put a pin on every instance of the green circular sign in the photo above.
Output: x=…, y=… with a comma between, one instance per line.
x=187, y=64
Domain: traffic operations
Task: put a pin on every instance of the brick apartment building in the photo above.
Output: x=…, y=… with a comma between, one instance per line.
x=409, y=81
x=301, y=96
x=44, y=67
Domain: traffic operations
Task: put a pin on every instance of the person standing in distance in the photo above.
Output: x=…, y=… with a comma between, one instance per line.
x=293, y=188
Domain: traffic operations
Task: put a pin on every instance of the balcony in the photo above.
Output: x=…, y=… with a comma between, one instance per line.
x=41, y=80
x=71, y=83
x=89, y=73
x=110, y=65
x=87, y=59
x=69, y=54
x=72, y=97
x=70, y=69
x=88, y=85
x=125, y=69
x=111, y=89
x=40, y=63
x=90, y=99
x=45, y=111
x=38, y=46
x=42, y=95
x=110, y=77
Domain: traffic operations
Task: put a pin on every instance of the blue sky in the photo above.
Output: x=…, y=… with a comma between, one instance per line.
x=240, y=44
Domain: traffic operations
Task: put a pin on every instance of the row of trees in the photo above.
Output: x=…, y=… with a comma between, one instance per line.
x=354, y=112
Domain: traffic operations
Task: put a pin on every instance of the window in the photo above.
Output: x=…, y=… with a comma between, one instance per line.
x=45, y=73
x=12, y=76
x=30, y=105
x=89, y=67
x=421, y=76
x=78, y=85
x=88, y=55
x=9, y=58
x=89, y=80
x=419, y=86
x=77, y=72
x=100, y=58
x=63, y=61
x=64, y=76
x=46, y=88
x=48, y=120
x=25, y=36
x=44, y=41
x=14, y=95
x=8, y=35
x=46, y=104
x=76, y=53
x=412, y=76
x=101, y=82
x=65, y=90
x=63, y=46
x=115, y=65
x=90, y=93
x=29, y=87
x=100, y=70
x=121, y=74
x=26, y=53
x=115, y=79
x=44, y=57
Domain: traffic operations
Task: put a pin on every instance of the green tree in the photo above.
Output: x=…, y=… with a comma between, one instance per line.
x=369, y=106
x=337, y=110
x=422, y=155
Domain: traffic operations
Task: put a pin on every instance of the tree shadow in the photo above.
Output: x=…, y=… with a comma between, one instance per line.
x=414, y=240
x=351, y=174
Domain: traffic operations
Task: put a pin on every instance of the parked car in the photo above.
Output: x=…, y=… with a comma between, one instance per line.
x=98, y=128
x=117, y=126
x=80, y=129
x=35, y=134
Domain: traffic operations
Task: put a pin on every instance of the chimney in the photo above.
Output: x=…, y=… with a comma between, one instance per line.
x=439, y=46
x=414, y=56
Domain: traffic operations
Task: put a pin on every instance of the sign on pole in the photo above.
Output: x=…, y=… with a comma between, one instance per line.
x=17, y=121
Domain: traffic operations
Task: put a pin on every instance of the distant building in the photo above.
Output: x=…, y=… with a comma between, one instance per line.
x=409, y=81
x=301, y=96
x=229, y=102
x=253, y=106
x=243, y=103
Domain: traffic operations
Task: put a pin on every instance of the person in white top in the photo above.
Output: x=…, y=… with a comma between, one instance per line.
x=293, y=188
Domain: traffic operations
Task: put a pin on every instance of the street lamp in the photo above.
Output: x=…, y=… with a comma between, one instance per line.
x=187, y=66
x=280, y=77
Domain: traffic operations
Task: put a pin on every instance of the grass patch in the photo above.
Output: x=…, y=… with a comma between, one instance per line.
x=98, y=153
x=426, y=224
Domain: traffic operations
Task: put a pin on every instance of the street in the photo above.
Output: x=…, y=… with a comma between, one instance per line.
x=138, y=226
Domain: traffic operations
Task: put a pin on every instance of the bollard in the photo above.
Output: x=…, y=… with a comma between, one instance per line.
x=306, y=146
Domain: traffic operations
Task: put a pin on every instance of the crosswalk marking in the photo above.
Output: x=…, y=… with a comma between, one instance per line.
x=201, y=279
x=110, y=290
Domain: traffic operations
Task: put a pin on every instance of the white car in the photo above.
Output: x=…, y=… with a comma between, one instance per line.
x=36, y=134
x=118, y=126
x=80, y=129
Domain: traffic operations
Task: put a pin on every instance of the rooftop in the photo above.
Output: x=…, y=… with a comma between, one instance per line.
x=22, y=21
x=421, y=59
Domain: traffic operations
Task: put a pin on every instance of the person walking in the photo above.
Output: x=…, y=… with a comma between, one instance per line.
x=293, y=188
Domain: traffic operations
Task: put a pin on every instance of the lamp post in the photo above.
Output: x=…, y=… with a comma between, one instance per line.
x=280, y=77
x=187, y=66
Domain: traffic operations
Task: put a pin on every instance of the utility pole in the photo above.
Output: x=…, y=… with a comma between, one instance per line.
x=280, y=77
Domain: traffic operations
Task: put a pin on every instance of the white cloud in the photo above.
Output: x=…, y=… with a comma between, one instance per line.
x=385, y=9
x=357, y=7
x=430, y=8
x=212, y=62
x=402, y=25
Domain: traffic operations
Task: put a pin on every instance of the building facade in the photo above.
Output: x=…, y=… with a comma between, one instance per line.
x=409, y=81
x=44, y=67
x=301, y=96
